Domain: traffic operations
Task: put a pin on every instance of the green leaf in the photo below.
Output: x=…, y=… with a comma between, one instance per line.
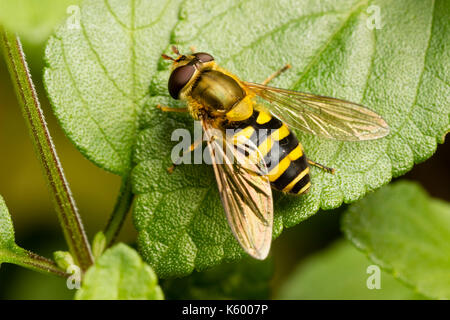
x=34, y=20
x=10, y=252
x=98, y=74
x=98, y=244
x=405, y=79
x=7, y=242
x=63, y=259
x=120, y=274
x=98, y=80
x=246, y=279
x=341, y=273
x=407, y=233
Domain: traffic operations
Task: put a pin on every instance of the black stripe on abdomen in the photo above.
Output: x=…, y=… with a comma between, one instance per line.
x=300, y=184
x=295, y=168
x=280, y=149
x=262, y=131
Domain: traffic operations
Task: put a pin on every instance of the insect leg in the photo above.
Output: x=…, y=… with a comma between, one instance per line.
x=169, y=109
x=276, y=74
x=192, y=147
x=321, y=166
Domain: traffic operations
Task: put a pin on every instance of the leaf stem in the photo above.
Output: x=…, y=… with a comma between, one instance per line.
x=120, y=211
x=59, y=188
x=32, y=261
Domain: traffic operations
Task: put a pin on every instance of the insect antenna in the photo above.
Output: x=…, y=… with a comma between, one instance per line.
x=166, y=57
x=175, y=50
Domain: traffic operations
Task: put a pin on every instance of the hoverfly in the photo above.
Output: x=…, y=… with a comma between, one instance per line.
x=261, y=115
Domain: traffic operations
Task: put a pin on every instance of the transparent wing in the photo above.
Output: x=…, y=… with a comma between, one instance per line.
x=244, y=189
x=323, y=116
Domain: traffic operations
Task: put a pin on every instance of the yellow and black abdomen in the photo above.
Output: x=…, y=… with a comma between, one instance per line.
x=288, y=168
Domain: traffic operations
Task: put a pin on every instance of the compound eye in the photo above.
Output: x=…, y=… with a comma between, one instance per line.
x=179, y=78
x=204, y=57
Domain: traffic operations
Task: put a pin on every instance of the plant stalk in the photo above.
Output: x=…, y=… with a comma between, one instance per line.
x=120, y=211
x=34, y=262
x=65, y=205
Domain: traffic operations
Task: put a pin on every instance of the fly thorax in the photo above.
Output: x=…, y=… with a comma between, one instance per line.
x=217, y=91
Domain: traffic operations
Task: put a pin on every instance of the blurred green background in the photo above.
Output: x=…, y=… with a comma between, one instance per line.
x=23, y=186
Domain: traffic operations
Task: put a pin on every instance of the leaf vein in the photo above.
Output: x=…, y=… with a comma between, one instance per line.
x=99, y=62
x=183, y=229
x=419, y=83
x=84, y=102
x=272, y=32
x=116, y=18
x=326, y=44
x=151, y=24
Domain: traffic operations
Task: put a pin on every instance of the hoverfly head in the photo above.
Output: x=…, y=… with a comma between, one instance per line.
x=184, y=68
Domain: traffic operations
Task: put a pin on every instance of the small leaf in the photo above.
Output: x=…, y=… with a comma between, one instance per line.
x=120, y=274
x=407, y=233
x=98, y=244
x=7, y=241
x=34, y=20
x=246, y=279
x=10, y=252
x=340, y=273
x=63, y=259
x=98, y=74
x=333, y=52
